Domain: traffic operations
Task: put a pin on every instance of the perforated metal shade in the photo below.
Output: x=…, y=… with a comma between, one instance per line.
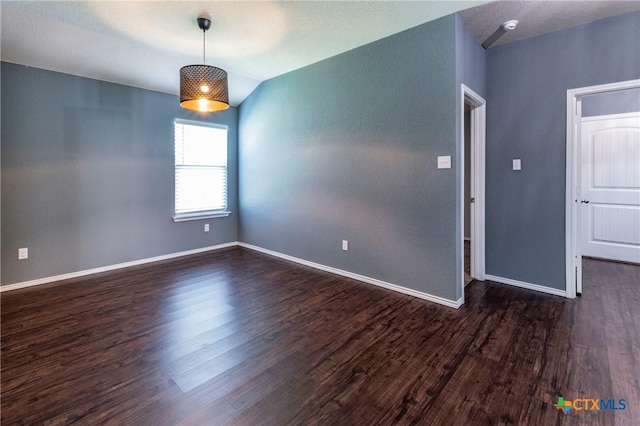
x=203, y=88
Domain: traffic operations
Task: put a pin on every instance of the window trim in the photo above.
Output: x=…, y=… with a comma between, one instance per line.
x=204, y=214
x=210, y=214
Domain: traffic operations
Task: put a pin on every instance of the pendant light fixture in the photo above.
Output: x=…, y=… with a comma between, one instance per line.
x=202, y=87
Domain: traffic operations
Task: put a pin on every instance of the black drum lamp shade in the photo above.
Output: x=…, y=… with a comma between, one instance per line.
x=202, y=87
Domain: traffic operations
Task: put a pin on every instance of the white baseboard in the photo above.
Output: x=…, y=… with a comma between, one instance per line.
x=46, y=280
x=528, y=286
x=436, y=299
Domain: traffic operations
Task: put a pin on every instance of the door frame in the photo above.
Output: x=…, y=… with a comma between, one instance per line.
x=478, y=155
x=573, y=252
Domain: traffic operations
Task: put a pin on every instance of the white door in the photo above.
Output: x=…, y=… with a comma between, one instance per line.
x=610, y=189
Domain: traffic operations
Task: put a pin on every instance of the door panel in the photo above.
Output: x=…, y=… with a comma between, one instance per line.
x=610, y=187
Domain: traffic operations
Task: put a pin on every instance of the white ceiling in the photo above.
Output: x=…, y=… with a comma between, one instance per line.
x=539, y=17
x=144, y=43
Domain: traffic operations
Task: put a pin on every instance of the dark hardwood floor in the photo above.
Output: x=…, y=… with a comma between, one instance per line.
x=238, y=337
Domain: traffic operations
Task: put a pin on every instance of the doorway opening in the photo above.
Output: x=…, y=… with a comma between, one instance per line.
x=472, y=188
x=591, y=141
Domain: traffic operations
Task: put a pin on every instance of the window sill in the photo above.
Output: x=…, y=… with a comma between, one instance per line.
x=200, y=215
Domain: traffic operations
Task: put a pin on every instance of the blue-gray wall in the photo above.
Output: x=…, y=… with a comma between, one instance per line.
x=347, y=149
x=88, y=175
x=619, y=102
x=471, y=59
x=527, y=83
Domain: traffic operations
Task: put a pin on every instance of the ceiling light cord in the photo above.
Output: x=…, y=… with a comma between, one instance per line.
x=204, y=46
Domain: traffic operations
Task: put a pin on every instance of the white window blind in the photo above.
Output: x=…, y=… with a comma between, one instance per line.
x=201, y=170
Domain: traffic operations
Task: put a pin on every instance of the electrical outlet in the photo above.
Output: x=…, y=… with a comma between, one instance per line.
x=206, y=227
x=345, y=245
x=23, y=253
x=517, y=164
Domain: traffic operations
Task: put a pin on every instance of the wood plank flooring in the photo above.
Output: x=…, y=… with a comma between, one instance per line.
x=241, y=338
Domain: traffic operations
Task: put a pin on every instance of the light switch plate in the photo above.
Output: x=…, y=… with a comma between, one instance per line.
x=517, y=164
x=444, y=162
x=345, y=245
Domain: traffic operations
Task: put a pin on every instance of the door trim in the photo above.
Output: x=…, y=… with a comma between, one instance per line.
x=573, y=254
x=478, y=155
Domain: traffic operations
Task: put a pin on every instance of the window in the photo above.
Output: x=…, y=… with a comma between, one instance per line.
x=201, y=171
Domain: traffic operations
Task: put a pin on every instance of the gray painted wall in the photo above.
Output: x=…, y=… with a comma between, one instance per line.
x=88, y=175
x=526, y=107
x=611, y=103
x=471, y=58
x=347, y=149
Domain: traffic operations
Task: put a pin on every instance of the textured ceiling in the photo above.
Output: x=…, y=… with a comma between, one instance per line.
x=144, y=43
x=539, y=17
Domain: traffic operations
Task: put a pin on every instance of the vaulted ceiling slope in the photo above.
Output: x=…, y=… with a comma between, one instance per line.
x=144, y=43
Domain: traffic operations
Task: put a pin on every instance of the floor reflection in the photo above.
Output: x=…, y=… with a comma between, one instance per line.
x=203, y=334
